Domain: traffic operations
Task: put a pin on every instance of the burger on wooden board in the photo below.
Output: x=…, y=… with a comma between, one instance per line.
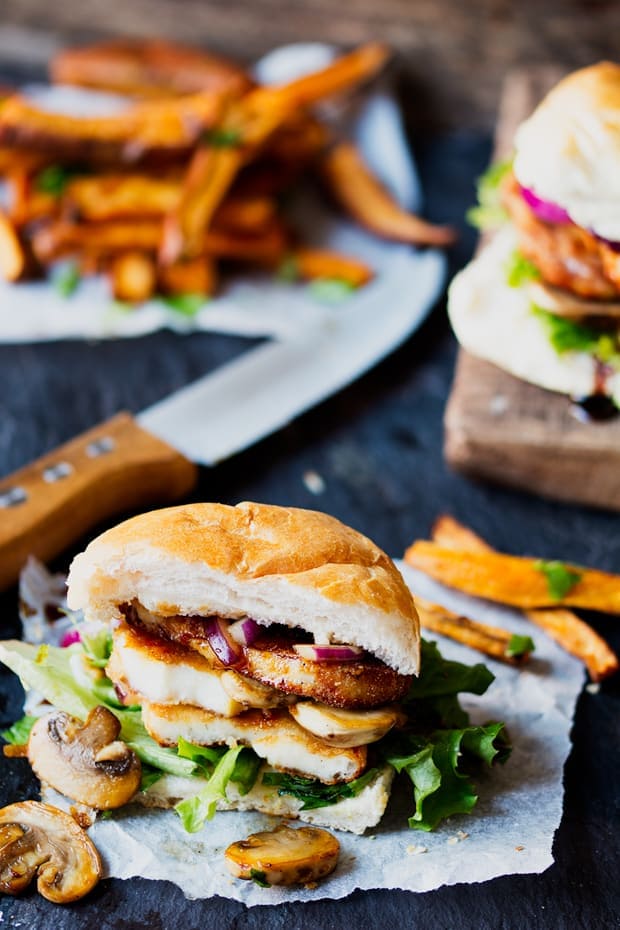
x=541, y=299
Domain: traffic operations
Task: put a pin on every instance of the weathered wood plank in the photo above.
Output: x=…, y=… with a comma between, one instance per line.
x=453, y=55
x=500, y=428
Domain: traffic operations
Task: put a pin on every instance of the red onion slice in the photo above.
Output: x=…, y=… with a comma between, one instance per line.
x=545, y=210
x=328, y=652
x=221, y=642
x=245, y=631
x=70, y=637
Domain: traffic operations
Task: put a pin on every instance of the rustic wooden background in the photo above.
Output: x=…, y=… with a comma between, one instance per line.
x=451, y=54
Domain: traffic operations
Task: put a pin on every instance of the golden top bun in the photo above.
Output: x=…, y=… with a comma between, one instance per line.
x=568, y=151
x=275, y=564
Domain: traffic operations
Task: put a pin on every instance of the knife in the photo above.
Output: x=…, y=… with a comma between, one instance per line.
x=129, y=463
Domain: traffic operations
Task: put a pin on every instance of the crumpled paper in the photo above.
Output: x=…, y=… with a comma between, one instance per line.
x=510, y=830
x=250, y=304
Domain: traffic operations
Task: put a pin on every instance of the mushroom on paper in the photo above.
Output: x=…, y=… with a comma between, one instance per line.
x=37, y=839
x=86, y=762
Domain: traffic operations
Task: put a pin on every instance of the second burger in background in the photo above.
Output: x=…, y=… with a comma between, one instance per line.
x=542, y=298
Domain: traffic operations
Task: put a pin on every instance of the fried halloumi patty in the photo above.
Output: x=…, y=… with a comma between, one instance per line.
x=274, y=736
x=271, y=660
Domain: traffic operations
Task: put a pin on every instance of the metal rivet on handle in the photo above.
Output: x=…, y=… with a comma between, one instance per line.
x=12, y=497
x=100, y=447
x=57, y=472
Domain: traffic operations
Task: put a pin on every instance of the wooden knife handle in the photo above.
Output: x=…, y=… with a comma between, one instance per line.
x=115, y=467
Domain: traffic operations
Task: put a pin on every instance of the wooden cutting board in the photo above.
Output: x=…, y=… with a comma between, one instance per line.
x=500, y=428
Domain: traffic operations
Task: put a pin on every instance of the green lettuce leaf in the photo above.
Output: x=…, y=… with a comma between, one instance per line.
x=489, y=214
x=441, y=677
x=314, y=793
x=246, y=767
x=18, y=734
x=194, y=812
x=519, y=270
x=568, y=336
x=97, y=646
x=435, y=764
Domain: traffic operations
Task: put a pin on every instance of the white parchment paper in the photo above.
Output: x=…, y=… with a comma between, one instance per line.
x=509, y=831
x=249, y=304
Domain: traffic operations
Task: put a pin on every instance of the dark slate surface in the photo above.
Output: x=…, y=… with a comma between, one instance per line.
x=377, y=446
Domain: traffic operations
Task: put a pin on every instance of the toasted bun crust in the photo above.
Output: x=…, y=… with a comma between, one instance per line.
x=275, y=564
x=568, y=151
x=355, y=815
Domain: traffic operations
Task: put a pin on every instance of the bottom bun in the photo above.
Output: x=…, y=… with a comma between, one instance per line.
x=355, y=815
x=495, y=322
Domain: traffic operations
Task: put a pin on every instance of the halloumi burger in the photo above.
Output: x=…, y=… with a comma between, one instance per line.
x=542, y=299
x=257, y=626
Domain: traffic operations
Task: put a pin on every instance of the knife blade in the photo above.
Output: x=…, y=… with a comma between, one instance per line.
x=129, y=463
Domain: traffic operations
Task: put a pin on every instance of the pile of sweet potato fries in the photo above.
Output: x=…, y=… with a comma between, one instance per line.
x=185, y=177
x=460, y=559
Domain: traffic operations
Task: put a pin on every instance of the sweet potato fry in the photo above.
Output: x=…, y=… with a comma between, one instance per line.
x=133, y=277
x=247, y=215
x=491, y=640
x=158, y=130
x=27, y=204
x=15, y=261
x=211, y=173
x=18, y=160
x=121, y=196
x=321, y=263
x=565, y=627
x=194, y=276
x=513, y=580
x=267, y=249
x=344, y=73
x=363, y=196
x=147, y=68
x=61, y=238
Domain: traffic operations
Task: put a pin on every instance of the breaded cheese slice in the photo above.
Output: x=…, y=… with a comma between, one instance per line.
x=354, y=815
x=273, y=736
x=165, y=673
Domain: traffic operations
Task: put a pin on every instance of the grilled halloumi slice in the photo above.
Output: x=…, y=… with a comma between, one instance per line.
x=166, y=673
x=273, y=736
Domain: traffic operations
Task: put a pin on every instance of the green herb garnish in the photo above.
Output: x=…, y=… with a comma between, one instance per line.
x=314, y=793
x=19, y=733
x=54, y=179
x=489, y=214
x=223, y=138
x=259, y=878
x=519, y=646
x=561, y=578
x=288, y=270
x=519, y=270
x=331, y=290
x=185, y=304
x=67, y=279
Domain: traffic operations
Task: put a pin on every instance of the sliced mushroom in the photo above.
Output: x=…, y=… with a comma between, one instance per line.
x=344, y=728
x=37, y=839
x=85, y=762
x=252, y=693
x=284, y=856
